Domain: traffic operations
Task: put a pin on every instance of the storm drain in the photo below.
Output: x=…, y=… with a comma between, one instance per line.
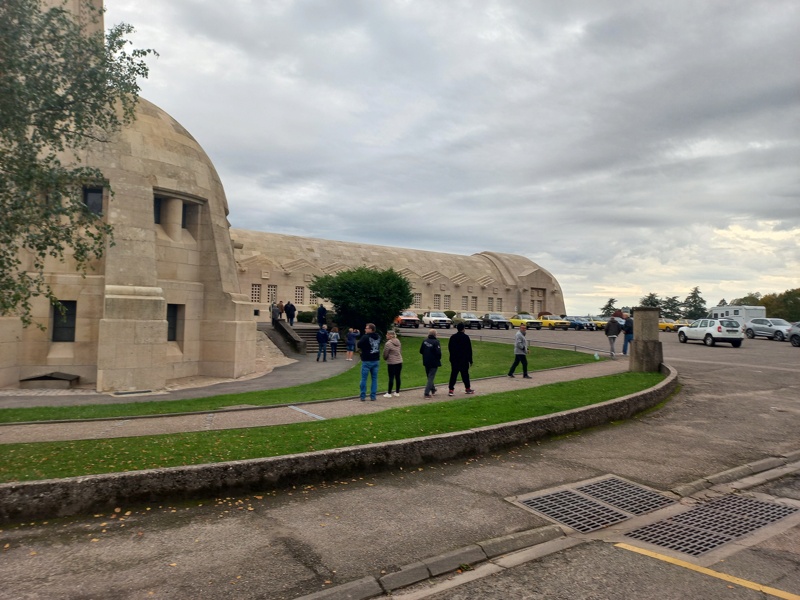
x=711, y=525
x=596, y=505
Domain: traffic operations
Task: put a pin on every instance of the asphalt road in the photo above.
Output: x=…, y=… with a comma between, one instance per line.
x=736, y=406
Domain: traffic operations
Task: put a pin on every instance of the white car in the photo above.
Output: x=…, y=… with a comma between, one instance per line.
x=776, y=329
x=436, y=319
x=713, y=331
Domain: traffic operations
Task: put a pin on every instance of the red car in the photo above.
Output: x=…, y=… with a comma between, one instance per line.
x=407, y=318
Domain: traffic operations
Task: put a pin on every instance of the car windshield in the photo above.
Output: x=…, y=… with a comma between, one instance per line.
x=468, y=316
x=780, y=322
x=438, y=314
x=495, y=316
x=409, y=313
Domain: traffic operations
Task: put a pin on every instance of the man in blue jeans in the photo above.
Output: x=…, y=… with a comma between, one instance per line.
x=370, y=347
x=627, y=329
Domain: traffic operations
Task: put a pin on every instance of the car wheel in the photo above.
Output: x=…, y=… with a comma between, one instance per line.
x=416, y=326
x=708, y=340
x=778, y=337
x=448, y=326
x=750, y=334
x=795, y=341
x=736, y=343
x=682, y=337
x=551, y=327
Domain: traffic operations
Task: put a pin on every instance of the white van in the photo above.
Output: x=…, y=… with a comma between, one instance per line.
x=741, y=313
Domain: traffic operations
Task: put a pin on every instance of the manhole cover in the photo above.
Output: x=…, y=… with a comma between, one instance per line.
x=574, y=510
x=625, y=495
x=705, y=527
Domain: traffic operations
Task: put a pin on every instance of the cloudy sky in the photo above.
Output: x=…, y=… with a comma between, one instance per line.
x=627, y=147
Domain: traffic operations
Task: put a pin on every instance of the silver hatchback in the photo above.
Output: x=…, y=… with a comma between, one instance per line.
x=775, y=329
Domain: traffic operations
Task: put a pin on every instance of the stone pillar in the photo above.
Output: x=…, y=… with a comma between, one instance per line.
x=646, y=351
x=171, y=217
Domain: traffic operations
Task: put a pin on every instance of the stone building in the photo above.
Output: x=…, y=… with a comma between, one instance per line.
x=276, y=267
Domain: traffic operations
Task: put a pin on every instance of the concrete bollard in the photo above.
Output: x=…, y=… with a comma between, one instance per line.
x=647, y=353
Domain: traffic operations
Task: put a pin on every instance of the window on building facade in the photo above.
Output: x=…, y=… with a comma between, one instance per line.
x=157, y=201
x=500, y=304
x=464, y=302
x=64, y=324
x=447, y=301
x=93, y=199
x=437, y=301
x=173, y=312
x=417, y=300
x=255, y=293
x=299, y=294
x=312, y=299
x=490, y=303
x=272, y=293
x=474, y=304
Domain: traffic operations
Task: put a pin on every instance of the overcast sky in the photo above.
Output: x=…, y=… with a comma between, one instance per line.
x=626, y=147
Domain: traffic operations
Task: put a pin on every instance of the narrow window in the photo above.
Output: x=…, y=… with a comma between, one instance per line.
x=255, y=293
x=172, y=322
x=499, y=305
x=93, y=199
x=464, y=302
x=474, y=305
x=417, y=300
x=64, y=324
x=490, y=304
x=272, y=293
x=157, y=200
x=437, y=301
x=300, y=294
x=447, y=301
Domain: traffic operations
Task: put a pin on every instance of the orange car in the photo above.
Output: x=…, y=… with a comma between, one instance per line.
x=407, y=318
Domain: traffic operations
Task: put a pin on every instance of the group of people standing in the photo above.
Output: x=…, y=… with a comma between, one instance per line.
x=278, y=310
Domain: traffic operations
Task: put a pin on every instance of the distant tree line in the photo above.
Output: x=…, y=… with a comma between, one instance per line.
x=784, y=306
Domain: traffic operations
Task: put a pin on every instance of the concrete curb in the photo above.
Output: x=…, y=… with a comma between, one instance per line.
x=79, y=495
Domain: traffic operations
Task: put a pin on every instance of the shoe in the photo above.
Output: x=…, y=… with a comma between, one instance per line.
x=469, y=391
x=318, y=359
x=373, y=399
x=363, y=399
x=387, y=395
x=527, y=377
x=511, y=375
x=428, y=396
x=451, y=393
x=324, y=360
x=396, y=394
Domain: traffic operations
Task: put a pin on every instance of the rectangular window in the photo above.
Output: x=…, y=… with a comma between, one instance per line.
x=490, y=304
x=272, y=293
x=157, y=201
x=299, y=294
x=447, y=301
x=64, y=324
x=499, y=305
x=464, y=302
x=474, y=305
x=93, y=199
x=172, y=322
x=437, y=301
x=417, y=300
x=312, y=299
x=255, y=293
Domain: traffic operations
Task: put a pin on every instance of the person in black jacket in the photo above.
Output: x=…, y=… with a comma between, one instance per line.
x=322, y=340
x=460, y=349
x=290, y=311
x=431, y=352
x=613, y=329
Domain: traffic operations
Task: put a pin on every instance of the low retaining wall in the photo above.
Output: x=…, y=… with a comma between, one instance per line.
x=93, y=493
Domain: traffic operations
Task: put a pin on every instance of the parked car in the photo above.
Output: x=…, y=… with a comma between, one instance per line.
x=599, y=322
x=580, y=324
x=469, y=319
x=668, y=325
x=495, y=321
x=436, y=319
x=407, y=318
x=776, y=329
x=794, y=335
x=713, y=331
x=683, y=322
x=525, y=319
x=554, y=322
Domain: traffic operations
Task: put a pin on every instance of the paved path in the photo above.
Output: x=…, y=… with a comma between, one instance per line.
x=241, y=417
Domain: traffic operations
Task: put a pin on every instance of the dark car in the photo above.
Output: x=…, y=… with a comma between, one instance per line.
x=581, y=324
x=495, y=321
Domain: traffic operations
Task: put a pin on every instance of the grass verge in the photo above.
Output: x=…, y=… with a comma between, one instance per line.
x=46, y=460
x=490, y=358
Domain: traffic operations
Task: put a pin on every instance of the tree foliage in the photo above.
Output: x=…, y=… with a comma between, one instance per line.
x=694, y=305
x=650, y=300
x=785, y=305
x=671, y=307
x=608, y=308
x=61, y=89
x=365, y=295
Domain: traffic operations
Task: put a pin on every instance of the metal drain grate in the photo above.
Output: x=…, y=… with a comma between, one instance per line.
x=576, y=511
x=705, y=527
x=625, y=495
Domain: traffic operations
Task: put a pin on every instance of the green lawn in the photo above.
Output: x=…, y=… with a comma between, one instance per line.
x=490, y=358
x=25, y=462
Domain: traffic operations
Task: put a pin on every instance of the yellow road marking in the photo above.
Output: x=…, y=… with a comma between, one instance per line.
x=729, y=578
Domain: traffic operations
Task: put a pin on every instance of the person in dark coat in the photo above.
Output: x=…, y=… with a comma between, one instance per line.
x=613, y=329
x=460, y=348
x=322, y=340
x=431, y=352
x=321, y=314
x=290, y=311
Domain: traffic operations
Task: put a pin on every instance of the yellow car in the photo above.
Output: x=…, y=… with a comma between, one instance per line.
x=554, y=322
x=599, y=322
x=524, y=319
x=668, y=325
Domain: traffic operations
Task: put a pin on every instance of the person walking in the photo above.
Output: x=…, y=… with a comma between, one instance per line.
x=520, y=353
x=321, y=314
x=281, y=308
x=370, y=347
x=627, y=330
x=393, y=355
x=290, y=311
x=322, y=342
x=350, y=340
x=613, y=329
x=431, y=352
x=276, y=314
x=334, y=340
x=460, y=348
